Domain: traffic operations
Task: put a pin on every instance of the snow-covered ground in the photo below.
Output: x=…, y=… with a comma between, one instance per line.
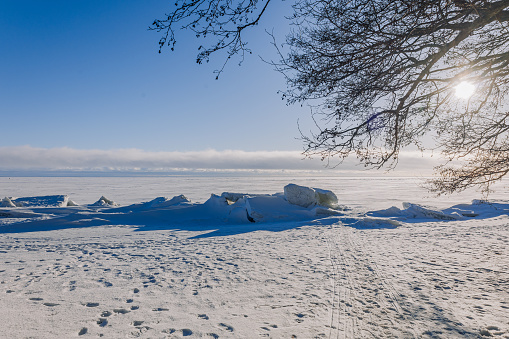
x=250, y=265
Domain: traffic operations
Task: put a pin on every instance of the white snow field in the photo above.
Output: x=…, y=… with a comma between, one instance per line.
x=314, y=261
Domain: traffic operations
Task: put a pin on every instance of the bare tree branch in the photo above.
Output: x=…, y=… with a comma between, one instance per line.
x=381, y=75
x=225, y=20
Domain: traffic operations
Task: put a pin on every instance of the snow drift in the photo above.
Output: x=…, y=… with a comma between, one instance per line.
x=39, y=201
x=415, y=211
x=298, y=205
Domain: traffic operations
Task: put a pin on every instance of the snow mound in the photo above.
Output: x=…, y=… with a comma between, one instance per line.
x=161, y=202
x=389, y=212
x=307, y=197
x=43, y=201
x=226, y=209
x=415, y=211
x=422, y=212
x=158, y=203
x=223, y=208
x=6, y=202
x=103, y=201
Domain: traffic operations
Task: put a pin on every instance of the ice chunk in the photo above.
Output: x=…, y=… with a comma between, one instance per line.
x=233, y=197
x=71, y=203
x=326, y=198
x=103, y=201
x=306, y=196
x=6, y=202
x=300, y=195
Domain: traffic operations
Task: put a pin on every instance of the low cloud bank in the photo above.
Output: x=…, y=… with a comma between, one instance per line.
x=28, y=158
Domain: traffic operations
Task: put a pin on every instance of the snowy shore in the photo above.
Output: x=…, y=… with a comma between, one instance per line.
x=248, y=266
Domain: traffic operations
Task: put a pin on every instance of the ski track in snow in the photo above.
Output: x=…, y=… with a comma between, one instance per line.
x=424, y=279
x=437, y=280
x=365, y=302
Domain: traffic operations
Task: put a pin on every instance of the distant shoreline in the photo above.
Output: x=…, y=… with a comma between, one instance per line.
x=208, y=173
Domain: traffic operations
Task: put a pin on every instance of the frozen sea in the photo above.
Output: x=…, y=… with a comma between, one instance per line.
x=367, y=193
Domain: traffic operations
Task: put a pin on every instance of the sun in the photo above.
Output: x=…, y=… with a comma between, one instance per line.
x=464, y=90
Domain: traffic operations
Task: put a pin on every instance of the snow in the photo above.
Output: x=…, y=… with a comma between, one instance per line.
x=245, y=265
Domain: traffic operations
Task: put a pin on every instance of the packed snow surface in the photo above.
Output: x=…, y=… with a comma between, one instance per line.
x=295, y=264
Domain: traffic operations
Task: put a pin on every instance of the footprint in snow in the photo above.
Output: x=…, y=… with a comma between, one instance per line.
x=92, y=304
x=102, y=322
x=226, y=327
x=159, y=309
x=106, y=314
x=186, y=332
x=35, y=299
x=203, y=316
x=121, y=311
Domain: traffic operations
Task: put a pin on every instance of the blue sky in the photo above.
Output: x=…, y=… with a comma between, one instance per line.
x=82, y=86
x=87, y=74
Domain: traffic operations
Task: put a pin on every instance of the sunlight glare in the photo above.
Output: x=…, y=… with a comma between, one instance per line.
x=464, y=90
